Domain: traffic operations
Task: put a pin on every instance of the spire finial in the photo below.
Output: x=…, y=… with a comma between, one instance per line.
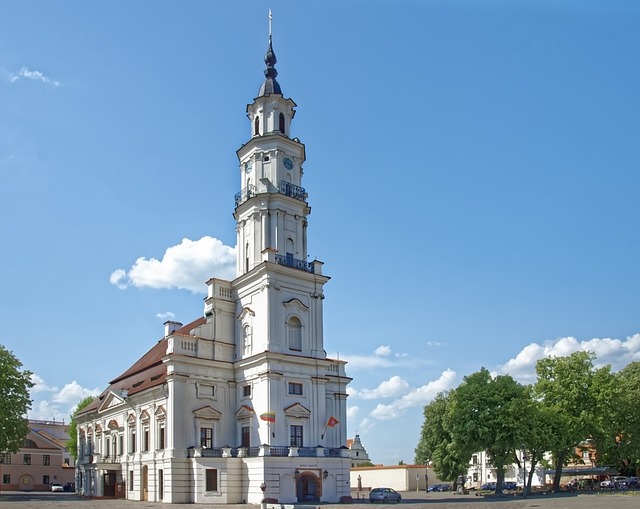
x=270, y=85
x=270, y=20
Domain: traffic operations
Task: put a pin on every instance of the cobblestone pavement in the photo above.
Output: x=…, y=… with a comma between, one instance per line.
x=580, y=500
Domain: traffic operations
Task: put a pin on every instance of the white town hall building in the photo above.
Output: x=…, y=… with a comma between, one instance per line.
x=242, y=404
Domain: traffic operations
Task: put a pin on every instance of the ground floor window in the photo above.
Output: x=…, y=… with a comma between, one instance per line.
x=130, y=480
x=211, y=479
x=6, y=479
x=45, y=479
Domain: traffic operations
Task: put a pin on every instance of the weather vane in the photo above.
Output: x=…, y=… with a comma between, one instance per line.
x=270, y=18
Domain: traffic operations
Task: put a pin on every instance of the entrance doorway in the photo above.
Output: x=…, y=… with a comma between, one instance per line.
x=109, y=484
x=145, y=483
x=308, y=488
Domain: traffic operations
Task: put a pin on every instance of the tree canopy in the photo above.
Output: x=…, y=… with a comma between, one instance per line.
x=15, y=401
x=72, y=443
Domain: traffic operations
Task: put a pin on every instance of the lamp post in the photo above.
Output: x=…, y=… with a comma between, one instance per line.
x=263, y=487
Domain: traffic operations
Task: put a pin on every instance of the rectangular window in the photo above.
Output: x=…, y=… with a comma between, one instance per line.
x=245, y=437
x=120, y=444
x=206, y=438
x=295, y=434
x=107, y=447
x=6, y=479
x=5, y=458
x=130, y=480
x=46, y=461
x=132, y=446
x=211, y=475
x=45, y=479
x=295, y=388
x=161, y=437
x=246, y=391
x=26, y=459
x=474, y=459
x=145, y=439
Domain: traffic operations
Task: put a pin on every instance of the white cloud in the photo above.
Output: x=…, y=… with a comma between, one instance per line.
x=391, y=388
x=417, y=397
x=185, y=266
x=381, y=358
x=352, y=412
x=166, y=316
x=50, y=403
x=34, y=76
x=382, y=350
x=616, y=352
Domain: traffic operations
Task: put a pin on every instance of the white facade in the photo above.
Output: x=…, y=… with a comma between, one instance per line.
x=241, y=404
x=482, y=471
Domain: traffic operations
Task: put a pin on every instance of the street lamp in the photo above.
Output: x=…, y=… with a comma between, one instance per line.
x=325, y=474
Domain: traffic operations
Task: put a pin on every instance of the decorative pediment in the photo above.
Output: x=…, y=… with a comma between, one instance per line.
x=244, y=412
x=296, y=304
x=144, y=416
x=161, y=413
x=131, y=420
x=98, y=429
x=113, y=424
x=246, y=313
x=111, y=400
x=297, y=411
x=207, y=413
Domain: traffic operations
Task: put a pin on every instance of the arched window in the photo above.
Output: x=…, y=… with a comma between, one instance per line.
x=256, y=126
x=281, y=122
x=289, y=248
x=246, y=257
x=295, y=333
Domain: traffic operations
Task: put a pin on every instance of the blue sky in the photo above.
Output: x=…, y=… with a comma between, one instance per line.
x=472, y=168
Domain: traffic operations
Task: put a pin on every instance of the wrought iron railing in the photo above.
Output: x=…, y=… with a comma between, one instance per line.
x=308, y=452
x=245, y=194
x=278, y=450
x=212, y=453
x=289, y=189
x=294, y=263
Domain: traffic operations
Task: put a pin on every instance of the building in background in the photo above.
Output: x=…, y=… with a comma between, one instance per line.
x=241, y=404
x=43, y=459
x=357, y=452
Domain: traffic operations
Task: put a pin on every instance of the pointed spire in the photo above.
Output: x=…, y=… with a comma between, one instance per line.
x=270, y=85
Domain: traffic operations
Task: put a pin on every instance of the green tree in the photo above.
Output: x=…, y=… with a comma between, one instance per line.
x=490, y=414
x=15, y=401
x=437, y=445
x=617, y=437
x=564, y=388
x=72, y=443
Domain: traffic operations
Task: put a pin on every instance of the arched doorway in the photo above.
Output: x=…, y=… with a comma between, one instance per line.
x=308, y=488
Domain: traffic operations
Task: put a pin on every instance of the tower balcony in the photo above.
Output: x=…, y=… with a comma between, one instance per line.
x=295, y=263
x=286, y=188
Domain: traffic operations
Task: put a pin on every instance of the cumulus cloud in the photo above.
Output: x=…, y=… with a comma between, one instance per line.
x=391, y=388
x=25, y=73
x=166, y=316
x=415, y=397
x=50, y=402
x=185, y=266
x=382, y=350
x=616, y=352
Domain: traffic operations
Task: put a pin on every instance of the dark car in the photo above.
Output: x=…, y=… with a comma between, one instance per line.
x=491, y=486
x=70, y=486
x=384, y=495
x=509, y=485
x=439, y=487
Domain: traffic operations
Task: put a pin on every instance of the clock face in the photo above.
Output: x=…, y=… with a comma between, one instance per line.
x=288, y=163
x=248, y=167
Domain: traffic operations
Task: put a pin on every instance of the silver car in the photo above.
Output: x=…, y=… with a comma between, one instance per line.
x=384, y=495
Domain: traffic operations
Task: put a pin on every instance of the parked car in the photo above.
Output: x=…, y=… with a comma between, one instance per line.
x=509, y=485
x=439, y=487
x=384, y=495
x=57, y=487
x=491, y=486
x=632, y=482
x=70, y=486
x=620, y=482
x=607, y=484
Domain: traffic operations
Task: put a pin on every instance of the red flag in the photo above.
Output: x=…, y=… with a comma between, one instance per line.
x=332, y=422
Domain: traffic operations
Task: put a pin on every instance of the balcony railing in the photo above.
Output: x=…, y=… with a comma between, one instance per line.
x=286, y=188
x=245, y=194
x=289, y=189
x=294, y=263
x=267, y=450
